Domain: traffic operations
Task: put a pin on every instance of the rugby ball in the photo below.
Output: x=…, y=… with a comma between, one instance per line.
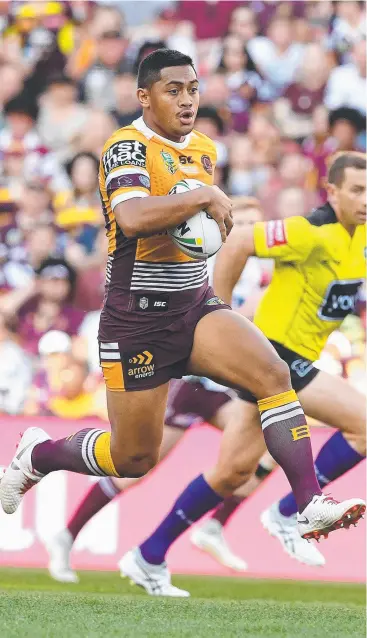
x=198, y=237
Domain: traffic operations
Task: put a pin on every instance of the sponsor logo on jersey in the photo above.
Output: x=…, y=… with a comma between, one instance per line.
x=185, y=159
x=207, y=164
x=215, y=301
x=275, y=233
x=169, y=162
x=124, y=153
x=139, y=365
x=152, y=303
x=340, y=300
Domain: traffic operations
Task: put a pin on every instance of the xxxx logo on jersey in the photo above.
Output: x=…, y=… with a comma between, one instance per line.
x=169, y=162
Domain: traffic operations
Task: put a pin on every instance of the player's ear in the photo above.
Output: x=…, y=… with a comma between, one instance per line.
x=143, y=97
x=332, y=192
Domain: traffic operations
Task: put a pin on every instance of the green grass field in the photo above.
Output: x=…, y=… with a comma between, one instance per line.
x=103, y=605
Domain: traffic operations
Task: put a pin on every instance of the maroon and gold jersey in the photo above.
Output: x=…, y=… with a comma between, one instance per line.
x=148, y=275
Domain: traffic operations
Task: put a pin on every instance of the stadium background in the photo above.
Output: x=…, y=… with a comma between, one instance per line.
x=282, y=88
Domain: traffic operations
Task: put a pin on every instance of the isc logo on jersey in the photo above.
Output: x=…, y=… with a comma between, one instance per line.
x=126, y=152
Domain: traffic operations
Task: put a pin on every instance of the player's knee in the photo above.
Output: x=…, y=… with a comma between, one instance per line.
x=233, y=478
x=137, y=465
x=277, y=379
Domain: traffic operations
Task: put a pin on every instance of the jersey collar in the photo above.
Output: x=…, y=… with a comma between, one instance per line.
x=145, y=130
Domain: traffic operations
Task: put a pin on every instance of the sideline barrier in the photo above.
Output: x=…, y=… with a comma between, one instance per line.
x=129, y=519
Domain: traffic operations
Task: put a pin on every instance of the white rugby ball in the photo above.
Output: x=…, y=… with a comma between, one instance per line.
x=198, y=237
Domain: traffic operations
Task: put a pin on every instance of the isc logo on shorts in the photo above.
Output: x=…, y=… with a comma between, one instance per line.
x=139, y=365
x=124, y=153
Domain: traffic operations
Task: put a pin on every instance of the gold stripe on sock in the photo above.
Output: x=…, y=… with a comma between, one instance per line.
x=102, y=454
x=277, y=400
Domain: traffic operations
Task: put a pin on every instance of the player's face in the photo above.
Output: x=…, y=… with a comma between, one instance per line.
x=350, y=197
x=171, y=104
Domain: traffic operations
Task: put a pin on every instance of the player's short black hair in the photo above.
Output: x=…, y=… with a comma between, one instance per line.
x=343, y=161
x=150, y=68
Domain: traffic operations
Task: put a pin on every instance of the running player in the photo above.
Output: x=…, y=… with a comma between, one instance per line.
x=191, y=401
x=319, y=267
x=161, y=319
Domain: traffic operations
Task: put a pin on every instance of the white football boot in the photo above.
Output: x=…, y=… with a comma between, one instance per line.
x=324, y=515
x=19, y=477
x=59, y=548
x=209, y=538
x=155, y=579
x=284, y=528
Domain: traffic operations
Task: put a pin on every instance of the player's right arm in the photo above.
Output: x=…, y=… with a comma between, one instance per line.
x=288, y=240
x=151, y=215
x=125, y=175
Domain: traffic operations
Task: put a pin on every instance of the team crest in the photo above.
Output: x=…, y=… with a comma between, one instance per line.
x=169, y=162
x=207, y=164
x=143, y=303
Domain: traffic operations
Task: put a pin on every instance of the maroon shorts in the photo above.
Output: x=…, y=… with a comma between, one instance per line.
x=144, y=362
x=190, y=402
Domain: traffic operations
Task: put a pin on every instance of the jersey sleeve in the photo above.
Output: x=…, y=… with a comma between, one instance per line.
x=291, y=239
x=124, y=170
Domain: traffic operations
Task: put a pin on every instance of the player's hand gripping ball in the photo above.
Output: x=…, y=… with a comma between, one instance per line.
x=199, y=236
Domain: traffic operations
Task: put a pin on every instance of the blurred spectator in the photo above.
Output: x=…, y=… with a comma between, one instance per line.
x=265, y=138
x=243, y=23
x=20, y=118
x=244, y=177
x=348, y=28
x=242, y=80
x=291, y=201
x=293, y=173
x=210, y=123
x=127, y=107
x=90, y=285
x=110, y=58
x=210, y=19
x=72, y=400
x=15, y=370
x=19, y=251
x=46, y=305
x=345, y=125
x=347, y=84
x=11, y=84
x=61, y=116
x=294, y=109
x=83, y=174
x=215, y=91
x=55, y=354
x=97, y=129
x=277, y=56
x=318, y=147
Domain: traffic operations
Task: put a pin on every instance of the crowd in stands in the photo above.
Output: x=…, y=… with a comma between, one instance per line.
x=283, y=87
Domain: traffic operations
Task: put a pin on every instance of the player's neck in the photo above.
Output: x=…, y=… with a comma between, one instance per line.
x=350, y=228
x=157, y=129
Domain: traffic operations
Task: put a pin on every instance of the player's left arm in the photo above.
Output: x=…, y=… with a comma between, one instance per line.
x=288, y=240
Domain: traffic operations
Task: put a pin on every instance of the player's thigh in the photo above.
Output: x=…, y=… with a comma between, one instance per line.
x=333, y=401
x=137, y=419
x=229, y=348
x=241, y=447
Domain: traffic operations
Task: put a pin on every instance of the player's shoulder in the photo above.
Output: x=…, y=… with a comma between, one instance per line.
x=125, y=147
x=124, y=134
x=203, y=143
